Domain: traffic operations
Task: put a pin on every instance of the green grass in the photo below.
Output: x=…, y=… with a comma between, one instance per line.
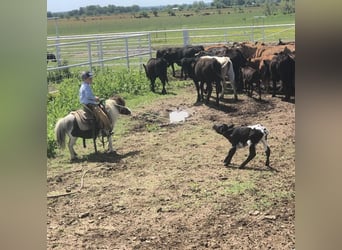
x=126, y=23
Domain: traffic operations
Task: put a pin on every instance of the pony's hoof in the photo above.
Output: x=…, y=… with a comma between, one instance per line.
x=113, y=152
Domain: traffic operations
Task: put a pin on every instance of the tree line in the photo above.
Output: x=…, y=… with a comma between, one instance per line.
x=270, y=6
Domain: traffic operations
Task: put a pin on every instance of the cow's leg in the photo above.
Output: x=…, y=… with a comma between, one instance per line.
x=94, y=142
x=198, y=91
x=287, y=90
x=173, y=70
x=268, y=153
x=252, y=88
x=218, y=90
x=183, y=74
x=210, y=89
x=153, y=80
x=164, y=90
x=248, y=88
x=223, y=88
x=202, y=90
x=251, y=155
x=259, y=88
x=274, y=87
x=233, y=83
x=231, y=76
x=245, y=83
x=229, y=157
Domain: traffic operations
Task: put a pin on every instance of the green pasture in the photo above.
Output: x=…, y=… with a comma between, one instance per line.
x=127, y=23
x=213, y=25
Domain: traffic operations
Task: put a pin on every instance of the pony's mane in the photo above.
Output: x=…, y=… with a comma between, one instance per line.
x=119, y=100
x=112, y=110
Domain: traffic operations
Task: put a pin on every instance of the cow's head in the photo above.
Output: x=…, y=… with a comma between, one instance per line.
x=224, y=129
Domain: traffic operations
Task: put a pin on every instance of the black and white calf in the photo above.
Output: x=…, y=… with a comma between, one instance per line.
x=243, y=136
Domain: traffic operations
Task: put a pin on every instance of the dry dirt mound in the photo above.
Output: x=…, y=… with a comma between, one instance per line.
x=167, y=188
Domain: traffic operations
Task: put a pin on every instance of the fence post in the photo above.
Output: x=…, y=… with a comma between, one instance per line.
x=89, y=56
x=58, y=52
x=100, y=52
x=186, y=39
x=127, y=55
x=149, y=44
x=139, y=51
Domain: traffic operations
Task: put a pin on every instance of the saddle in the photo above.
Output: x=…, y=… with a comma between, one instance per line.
x=85, y=119
x=86, y=125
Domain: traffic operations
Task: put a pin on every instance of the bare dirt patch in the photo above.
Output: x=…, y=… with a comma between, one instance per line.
x=167, y=188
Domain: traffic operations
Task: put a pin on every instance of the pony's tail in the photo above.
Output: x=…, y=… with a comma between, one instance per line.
x=60, y=133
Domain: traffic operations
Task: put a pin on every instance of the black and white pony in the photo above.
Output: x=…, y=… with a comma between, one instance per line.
x=68, y=126
x=243, y=136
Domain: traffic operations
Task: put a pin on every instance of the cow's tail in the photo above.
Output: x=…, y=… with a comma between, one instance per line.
x=146, y=72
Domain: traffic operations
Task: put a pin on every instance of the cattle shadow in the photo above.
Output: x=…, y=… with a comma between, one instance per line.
x=292, y=101
x=170, y=93
x=112, y=157
x=221, y=107
x=233, y=107
x=261, y=101
x=230, y=100
x=251, y=168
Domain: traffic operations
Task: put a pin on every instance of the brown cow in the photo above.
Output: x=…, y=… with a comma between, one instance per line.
x=255, y=50
x=271, y=50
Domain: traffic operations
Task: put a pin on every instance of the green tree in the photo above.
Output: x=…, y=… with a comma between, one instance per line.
x=269, y=7
x=287, y=6
x=155, y=12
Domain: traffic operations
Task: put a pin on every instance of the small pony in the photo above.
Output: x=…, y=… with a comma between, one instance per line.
x=242, y=136
x=69, y=125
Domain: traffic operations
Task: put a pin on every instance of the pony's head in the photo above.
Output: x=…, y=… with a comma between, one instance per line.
x=120, y=104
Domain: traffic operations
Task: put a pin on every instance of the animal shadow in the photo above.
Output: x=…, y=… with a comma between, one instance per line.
x=236, y=167
x=109, y=157
x=222, y=107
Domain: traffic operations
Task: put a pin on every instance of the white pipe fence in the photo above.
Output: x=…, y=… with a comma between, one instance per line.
x=135, y=48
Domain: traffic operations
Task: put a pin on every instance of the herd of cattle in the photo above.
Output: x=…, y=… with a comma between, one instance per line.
x=245, y=65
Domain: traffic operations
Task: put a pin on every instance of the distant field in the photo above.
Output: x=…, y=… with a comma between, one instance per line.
x=127, y=23
x=214, y=25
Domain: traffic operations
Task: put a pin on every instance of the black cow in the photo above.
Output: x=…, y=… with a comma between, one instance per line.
x=238, y=61
x=156, y=67
x=250, y=76
x=50, y=57
x=244, y=136
x=282, y=68
x=175, y=54
x=204, y=71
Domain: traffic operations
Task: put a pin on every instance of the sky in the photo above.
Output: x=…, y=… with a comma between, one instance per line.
x=67, y=5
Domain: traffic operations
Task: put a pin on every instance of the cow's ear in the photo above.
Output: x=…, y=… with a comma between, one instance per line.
x=230, y=126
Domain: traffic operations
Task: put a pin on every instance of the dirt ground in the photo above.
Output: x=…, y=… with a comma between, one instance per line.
x=167, y=188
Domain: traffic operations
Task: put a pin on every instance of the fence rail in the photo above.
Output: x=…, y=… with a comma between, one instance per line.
x=134, y=48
